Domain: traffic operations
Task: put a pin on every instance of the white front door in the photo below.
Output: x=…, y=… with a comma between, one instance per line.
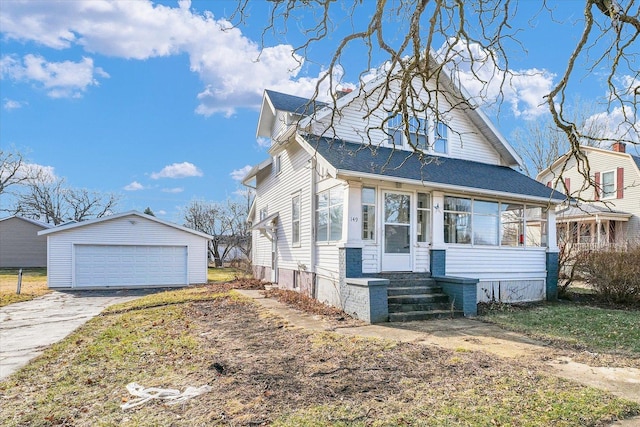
x=396, y=245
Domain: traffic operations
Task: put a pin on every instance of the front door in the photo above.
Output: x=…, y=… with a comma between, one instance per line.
x=396, y=252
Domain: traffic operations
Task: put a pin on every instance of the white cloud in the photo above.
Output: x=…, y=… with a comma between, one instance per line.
x=263, y=142
x=177, y=170
x=233, y=69
x=11, y=104
x=60, y=79
x=616, y=125
x=174, y=190
x=134, y=186
x=35, y=172
x=239, y=174
x=486, y=82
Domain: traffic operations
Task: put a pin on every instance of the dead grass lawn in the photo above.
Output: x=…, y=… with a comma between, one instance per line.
x=264, y=373
x=34, y=284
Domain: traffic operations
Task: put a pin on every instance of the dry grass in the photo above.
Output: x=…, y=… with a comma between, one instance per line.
x=34, y=284
x=265, y=373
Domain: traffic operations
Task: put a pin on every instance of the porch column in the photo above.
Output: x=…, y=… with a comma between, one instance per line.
x=352, y=229
x=438, y=253
x=552, y=257
x=437, y=219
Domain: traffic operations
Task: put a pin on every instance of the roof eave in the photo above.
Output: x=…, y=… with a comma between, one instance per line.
x=347, y=174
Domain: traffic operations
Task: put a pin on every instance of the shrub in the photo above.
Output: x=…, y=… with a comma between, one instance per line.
x=613, y=274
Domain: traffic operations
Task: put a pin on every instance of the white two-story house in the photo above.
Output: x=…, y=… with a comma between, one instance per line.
x=606, y=211
x=348, y=212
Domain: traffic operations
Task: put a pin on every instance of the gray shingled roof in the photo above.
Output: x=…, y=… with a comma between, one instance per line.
x=293, y=104
x=636, y=159
x=448, y=171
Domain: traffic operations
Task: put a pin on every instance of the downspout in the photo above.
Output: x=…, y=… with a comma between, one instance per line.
x=312, y=242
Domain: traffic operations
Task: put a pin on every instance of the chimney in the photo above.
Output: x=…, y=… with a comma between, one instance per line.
x=619, y=147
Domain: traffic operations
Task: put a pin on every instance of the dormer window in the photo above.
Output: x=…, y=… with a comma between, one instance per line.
x=425, y=134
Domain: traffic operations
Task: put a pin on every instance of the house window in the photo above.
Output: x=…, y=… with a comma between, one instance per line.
x=295, y=220
x=486, y=221
x=278, y=164
x=368, y=213
x=441, y=135
x=263, y=213
x=417, y=132
x=457, y=220
x=512, y=219
x=536, y=221
x=608, y=185
x=420, y=134
x=424, y=217
x=329, y=215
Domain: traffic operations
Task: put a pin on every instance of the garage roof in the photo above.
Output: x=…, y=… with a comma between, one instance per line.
x=74, y=225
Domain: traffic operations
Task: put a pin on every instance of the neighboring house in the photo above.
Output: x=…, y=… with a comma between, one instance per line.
x=333, y=216
x=20, y=245
x=604, y=216
x=129, y=249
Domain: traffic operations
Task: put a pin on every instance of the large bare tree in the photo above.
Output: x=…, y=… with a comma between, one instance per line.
x=447, y=41
x=51, y=200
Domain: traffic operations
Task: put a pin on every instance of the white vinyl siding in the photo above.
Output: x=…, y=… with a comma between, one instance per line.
x=513, y=275
x=464, y=140
x=123, y=231
x=276, y=192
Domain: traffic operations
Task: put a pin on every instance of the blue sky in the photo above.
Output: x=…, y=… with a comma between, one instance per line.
x=152, y=101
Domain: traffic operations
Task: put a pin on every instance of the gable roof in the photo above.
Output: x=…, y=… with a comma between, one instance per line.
x=122, y=215
x=473, y=112
x=357, y=160
x=565, y=157
x=32, y=221
x=273, y=101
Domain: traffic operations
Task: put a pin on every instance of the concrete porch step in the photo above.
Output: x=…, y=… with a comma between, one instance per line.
x=407, y=283
x=427, y=306
x=413, y=290
x=417, y=299
x=424, y=315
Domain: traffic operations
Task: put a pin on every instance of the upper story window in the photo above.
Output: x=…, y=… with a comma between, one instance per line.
x=440, y=138
x=263, y=213
x=278, y=164
x=608, y=185
x=424, y=134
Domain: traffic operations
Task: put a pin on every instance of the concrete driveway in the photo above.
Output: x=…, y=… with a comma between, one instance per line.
x=28, y=328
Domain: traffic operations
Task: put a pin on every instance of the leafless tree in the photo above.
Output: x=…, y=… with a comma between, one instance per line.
x=429, y=45
x=226, y=222
x=540, y=142
x=49, y=199
x=13, y=169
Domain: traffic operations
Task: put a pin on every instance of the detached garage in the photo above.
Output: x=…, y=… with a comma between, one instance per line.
x=125, y=250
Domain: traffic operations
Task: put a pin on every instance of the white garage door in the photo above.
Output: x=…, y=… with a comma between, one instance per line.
x=112, y=265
